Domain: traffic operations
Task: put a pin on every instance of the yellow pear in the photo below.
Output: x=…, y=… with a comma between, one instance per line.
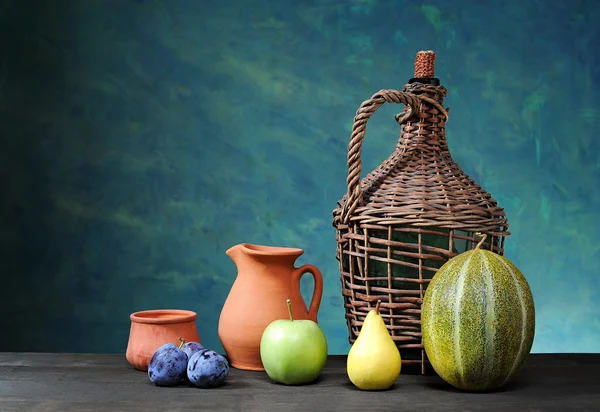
x=374, y=359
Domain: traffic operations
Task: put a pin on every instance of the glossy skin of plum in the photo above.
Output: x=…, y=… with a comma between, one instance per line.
x=191, y=347
x=168, y=365
x=207, y=369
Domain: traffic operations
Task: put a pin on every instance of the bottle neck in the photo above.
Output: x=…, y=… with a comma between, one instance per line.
x=427, y=133
x=425, y=80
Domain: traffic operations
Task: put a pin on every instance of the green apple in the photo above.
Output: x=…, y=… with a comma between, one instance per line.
x=293, y=352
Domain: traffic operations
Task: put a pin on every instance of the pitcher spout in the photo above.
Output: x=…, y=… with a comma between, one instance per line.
x=235, y=252
x=263, y=253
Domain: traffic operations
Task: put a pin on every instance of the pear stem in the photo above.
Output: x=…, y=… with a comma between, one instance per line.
x=377, y=306
x=483, y=236
x=182, y=342
x=289, y=305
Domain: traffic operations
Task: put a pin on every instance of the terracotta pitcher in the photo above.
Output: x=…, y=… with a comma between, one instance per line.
x=266, y=278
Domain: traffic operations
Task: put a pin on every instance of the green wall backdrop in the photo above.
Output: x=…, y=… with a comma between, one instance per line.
x=141, y=139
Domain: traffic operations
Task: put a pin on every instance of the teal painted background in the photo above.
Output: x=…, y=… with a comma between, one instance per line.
x=141, y=139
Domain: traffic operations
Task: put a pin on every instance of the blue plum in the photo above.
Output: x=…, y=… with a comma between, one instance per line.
x=190, y=347
x=168, y=365
x=207, y=369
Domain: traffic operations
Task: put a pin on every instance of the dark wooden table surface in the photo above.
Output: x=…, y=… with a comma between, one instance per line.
x=32, y=382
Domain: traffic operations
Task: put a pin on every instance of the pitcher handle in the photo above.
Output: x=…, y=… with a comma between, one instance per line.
x=315, y=302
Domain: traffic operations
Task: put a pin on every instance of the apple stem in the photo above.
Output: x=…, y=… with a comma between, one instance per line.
x=182, y=342
x=289, y=305
x=483, y=236
x=377, y=306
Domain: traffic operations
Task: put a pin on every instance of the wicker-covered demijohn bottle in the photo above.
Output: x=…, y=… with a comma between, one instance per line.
x=396, y=226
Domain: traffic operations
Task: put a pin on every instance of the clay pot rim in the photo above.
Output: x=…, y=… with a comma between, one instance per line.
x=254, y=249
x=155, y=316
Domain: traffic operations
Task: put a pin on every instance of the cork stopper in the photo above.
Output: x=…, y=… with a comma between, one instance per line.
x=424, y=64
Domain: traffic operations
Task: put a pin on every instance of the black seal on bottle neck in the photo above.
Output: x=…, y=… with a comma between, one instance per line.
x=425, y=80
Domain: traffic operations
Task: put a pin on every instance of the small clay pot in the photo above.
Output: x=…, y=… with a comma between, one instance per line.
x=150, y=329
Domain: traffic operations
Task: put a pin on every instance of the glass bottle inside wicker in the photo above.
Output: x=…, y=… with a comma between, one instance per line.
x=396, y=226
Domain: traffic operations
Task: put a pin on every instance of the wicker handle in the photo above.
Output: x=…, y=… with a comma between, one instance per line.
x=315, y=302
x=365, y=111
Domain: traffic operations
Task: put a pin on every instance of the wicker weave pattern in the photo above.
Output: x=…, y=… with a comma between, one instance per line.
x=403, y=220
x=419, y=183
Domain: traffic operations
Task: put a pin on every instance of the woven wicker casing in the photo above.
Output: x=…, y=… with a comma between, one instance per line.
x=399, y=224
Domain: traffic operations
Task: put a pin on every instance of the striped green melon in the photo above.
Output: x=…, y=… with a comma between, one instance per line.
x=477, y=320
